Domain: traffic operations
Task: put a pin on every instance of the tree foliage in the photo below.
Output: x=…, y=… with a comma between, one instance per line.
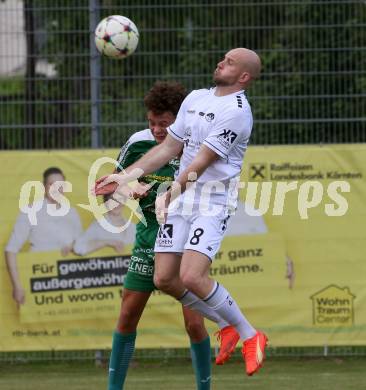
x=311, y=90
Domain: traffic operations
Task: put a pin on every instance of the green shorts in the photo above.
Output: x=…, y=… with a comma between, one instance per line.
x=140, y=274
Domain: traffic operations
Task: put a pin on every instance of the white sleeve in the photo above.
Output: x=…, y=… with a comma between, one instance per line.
x=232, y=127
x=176, y=130
x=20, y=234
x=81, y=245
x=122, y=156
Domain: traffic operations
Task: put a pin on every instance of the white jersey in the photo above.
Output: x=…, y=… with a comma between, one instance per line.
x=222, y=123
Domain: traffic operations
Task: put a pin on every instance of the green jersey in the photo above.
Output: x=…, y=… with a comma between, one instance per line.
x=141, y=268
x=138, y=145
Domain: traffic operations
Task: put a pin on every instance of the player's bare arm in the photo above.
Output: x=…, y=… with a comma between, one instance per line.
x=150, y=162
x=157, y=156
x=204, y=158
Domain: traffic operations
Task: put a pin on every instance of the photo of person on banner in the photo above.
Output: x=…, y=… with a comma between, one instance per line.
x=50, y=233
x=96, y=237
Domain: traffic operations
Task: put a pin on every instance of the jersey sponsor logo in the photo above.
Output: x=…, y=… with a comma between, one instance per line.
x=187, y=136
x=166, y=231
x=226, y=138
x=188, y=141
x=174, y=162
x=191, y=111
x=210, y=117
x=187, y=132
x=165, y=235
x=192, y=144
x=141, y=269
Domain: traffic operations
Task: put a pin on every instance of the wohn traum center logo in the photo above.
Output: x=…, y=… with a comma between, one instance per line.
x=333, y=307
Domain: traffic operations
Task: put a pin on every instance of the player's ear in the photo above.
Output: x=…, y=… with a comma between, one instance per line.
x=244, y=78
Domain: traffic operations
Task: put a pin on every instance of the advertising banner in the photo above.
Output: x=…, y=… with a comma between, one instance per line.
x=293, y=256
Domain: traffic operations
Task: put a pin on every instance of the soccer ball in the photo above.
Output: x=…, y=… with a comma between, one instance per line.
x=116, y=36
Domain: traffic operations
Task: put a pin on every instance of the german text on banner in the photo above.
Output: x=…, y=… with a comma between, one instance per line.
x=293, y=256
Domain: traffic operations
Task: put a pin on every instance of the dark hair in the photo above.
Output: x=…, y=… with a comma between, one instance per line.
x=165, y=96
x=51, y=171
x=106, y=197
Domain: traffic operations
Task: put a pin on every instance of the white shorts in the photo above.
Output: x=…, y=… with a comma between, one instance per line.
x=196, y=232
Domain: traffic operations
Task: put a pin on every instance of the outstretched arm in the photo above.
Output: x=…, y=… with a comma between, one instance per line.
x=150, y=162
x=158, y=156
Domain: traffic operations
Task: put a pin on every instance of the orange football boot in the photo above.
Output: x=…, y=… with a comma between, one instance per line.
x=254, y=352
x=228, y=338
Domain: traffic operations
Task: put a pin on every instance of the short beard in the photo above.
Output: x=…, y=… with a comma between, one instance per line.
x=220, y=83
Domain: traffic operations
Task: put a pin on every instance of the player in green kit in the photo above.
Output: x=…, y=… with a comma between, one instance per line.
x=162, y=103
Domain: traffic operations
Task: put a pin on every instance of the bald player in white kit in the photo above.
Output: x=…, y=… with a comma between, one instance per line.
x=212, y=131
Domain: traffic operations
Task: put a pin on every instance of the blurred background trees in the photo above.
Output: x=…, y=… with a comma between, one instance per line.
x=312, y=88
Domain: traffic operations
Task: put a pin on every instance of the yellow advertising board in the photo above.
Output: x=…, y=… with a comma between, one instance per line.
x=297, y=271
x=69, y=289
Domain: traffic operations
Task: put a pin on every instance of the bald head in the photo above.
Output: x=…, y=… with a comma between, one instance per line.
x=237, y=70
x=248, y=60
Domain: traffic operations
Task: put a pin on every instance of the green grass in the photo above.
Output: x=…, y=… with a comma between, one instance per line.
x=278, y=374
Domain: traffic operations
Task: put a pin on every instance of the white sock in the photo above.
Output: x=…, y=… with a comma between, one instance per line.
x=220, y=301
x=188, y=299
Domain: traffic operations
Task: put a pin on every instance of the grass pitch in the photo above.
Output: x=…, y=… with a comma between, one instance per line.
x=278, y=373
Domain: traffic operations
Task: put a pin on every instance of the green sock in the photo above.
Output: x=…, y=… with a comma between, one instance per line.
x=123, y=346
x=201, y=361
